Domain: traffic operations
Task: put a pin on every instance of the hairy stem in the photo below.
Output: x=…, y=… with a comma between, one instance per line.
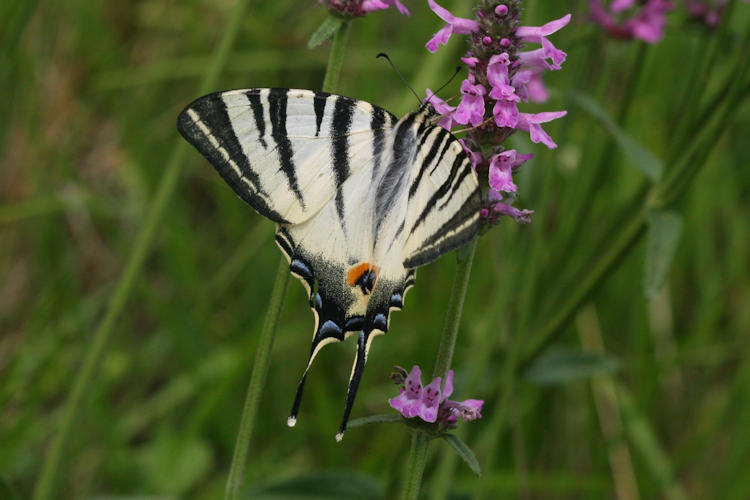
x=415, y=465
x=46, y=484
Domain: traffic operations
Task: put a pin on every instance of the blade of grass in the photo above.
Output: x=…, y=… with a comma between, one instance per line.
x=46, y=484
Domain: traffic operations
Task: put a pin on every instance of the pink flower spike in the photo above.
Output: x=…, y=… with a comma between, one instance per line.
x=471, y=108
x=535, y=34
x=454, y=25
x=531, y=122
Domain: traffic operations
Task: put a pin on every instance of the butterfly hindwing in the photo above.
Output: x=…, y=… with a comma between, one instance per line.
x=360, y=199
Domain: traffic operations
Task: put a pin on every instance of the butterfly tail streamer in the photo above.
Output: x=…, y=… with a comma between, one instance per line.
x=358, y=370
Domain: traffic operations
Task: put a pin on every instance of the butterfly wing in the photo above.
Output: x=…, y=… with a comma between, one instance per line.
x=283, y=151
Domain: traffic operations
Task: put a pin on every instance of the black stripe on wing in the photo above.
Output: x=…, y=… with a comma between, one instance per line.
x=343, y=112
x=277, y=100
x=206, y=125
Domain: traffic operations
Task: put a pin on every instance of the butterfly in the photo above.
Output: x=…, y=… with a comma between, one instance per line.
x=360, y=199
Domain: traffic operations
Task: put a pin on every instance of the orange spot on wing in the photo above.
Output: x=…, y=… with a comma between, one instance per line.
x=355, y=272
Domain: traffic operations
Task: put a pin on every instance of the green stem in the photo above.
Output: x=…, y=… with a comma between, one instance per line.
x=453, y=314
x=415, y=465
x=418, y=452
x=257, y=382
x=336, y=57
x=45, y=487
x=265, y=344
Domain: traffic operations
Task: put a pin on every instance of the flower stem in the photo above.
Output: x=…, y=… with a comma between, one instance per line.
x=336, y=57
x=415, y=465
x=265, y=344
x=455, y=308
x=46, y=484
x=257, y=382
x=419, y=443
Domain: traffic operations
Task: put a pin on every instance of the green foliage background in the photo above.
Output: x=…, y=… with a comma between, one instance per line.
x=90, y=93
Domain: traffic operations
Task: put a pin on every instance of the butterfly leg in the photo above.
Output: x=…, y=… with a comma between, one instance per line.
x=327, y=333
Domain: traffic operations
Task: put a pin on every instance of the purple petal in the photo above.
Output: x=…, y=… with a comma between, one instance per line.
x=401, y=8
x=535, y=33
x=531, y=123
x=439, y=38
x=518, y=215
x=413, y=383
x=621, y=5
x=448, y=387
x=430, y=401
x=505, y=113
x=470, y=110
x=501, y=172
x=459, y=25
x=373, y=5
x=474, y=156
x=551, y=52
x=440, y=105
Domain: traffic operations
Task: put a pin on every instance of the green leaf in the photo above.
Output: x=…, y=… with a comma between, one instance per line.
x=374, y=419
x=641, y=157
x=559, y=365
x=324, y=31
x=324, y=486
x=664, y=228
x=464, y=452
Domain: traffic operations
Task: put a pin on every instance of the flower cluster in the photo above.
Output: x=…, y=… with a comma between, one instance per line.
x=706, y=11
x=358, y=8
x=500, y=77
x=629, y=19
x=430, y=403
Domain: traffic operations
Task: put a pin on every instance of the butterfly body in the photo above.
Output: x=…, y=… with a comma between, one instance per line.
x=360, y=198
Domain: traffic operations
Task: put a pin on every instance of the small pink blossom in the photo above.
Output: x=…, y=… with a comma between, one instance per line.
x=548, y=56
x=443, y=108
x=502, y=166
x=531, y=122
x=430, y=403
x=529, y=86
x=505, y=113
x=628, y=19
x=471, y=108
x=497, y=75
x=454, y=25
x=475, y=157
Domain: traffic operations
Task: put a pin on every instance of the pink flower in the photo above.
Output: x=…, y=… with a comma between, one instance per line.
x=443, y=108
x=505, y=113
x=429, y=403
x=358, y=8
x=454, y=25
x=629, y=19
x=529, y=86
x=536, y=34
x=502, y=166
x=531, y=122
x=497, y=75
x=475, y=157
x=471, y=108
x=539, y=57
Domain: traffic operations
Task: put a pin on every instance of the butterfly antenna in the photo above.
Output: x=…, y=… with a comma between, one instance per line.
x=458, y=70
x=383, y=54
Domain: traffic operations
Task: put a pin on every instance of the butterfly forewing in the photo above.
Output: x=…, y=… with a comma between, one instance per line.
x=360, y=199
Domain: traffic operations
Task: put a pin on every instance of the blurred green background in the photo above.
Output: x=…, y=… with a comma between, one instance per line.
x=90, y=94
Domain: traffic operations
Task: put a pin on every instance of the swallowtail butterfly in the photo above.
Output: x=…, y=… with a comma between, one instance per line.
x=360, y=199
